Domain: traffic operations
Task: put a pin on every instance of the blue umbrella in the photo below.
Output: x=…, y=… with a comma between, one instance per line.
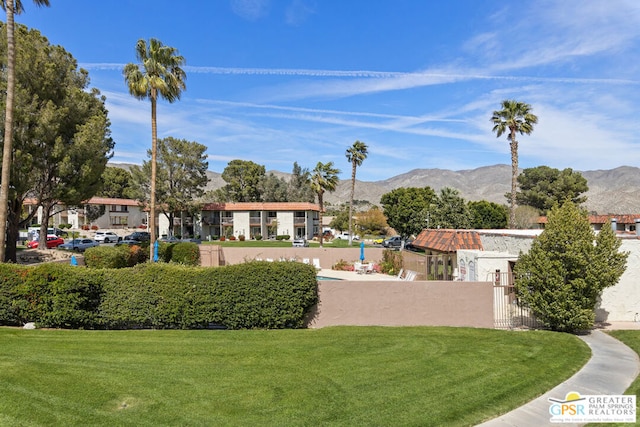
x=362, y=251
x=155, y=251
x=74, y=261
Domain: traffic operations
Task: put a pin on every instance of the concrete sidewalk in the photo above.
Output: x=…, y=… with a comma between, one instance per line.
x=612, y=368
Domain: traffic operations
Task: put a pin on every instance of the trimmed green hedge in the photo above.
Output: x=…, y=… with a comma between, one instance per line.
x=250, y=295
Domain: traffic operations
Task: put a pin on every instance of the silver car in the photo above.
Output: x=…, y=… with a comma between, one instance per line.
x=79, y=245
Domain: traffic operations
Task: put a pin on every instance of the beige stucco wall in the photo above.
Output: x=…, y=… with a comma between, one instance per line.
x=403, y=303
x=622, y=301
x=327, y=256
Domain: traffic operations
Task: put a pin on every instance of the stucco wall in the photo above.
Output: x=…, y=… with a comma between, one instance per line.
x=400, y=303
x=622, y=301
x=327, y=256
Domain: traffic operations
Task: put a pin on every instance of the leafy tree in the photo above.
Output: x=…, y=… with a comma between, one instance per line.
x=340, y=220
x=11, y=7
x=92, y=212
x=300, y=185
x=515, y=117
x=181, y=173
x=159, y=74
x=407, y=209
x=542, y=187
x=117, y=183
x=487, y=215
x=61, y=132
x=274, y=189
x=243, y=179
x=373, y=221
x=355, y=154
x=449, y=210
x=324, y=178
x=567, y=269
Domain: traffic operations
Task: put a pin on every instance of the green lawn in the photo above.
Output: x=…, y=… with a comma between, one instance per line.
x=632, y=339
x=334, y=376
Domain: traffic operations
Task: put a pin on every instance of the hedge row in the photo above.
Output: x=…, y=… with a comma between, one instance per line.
x=186, y=253
x=250, y=295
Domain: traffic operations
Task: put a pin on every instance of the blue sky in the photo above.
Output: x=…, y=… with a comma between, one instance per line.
x=278, y=81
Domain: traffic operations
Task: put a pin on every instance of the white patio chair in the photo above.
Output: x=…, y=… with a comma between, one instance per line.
x=316, y=263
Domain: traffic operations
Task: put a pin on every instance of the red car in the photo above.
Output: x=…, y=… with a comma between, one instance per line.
x=53, y=241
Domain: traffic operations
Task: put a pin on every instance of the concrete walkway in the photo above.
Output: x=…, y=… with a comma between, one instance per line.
x=611, y=370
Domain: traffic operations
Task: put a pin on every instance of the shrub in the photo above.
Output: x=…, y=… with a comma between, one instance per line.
x=94, y=227
x=85, y=227
x=241, y=237
x=187, y=253
x=392, y=262
x=232, y=237
x=222, y=238
x=115, y=256
x=567, y=268
x=283, y=237
x=258, y=237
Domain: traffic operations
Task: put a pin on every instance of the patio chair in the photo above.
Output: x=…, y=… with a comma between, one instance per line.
x=358, y=267
x=316, y=263
x=368, y=269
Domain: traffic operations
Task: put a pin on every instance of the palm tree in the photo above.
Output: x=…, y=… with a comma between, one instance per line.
x=324, y=178
x=159, y=75
x=11, y=7
x=355, y=155
x=515, y=117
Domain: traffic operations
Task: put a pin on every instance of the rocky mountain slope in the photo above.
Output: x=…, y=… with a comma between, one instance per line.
x=615, y=191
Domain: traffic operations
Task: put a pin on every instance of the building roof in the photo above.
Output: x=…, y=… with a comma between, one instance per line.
x=97, y=201
x=602, y=219
x=443, y=240
x=261, y=206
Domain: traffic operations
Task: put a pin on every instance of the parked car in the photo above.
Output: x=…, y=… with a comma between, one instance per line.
x=169, y=239
x=345, y=236
x=393, y=242
x=129, y=242
x=378, y=241
x=53, y=241
x=300, y=242
x=107, y=236
x=141, y=236
x=79, y=245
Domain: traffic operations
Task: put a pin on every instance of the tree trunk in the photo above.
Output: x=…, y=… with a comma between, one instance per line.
x=44, y=225
x=514, y=180
x=320, y=218
x=7, y=150
x=353, y=189
x=15, y=209
x=154, y=155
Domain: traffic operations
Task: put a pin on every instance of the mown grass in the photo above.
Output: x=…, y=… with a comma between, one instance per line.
x=340, y=376
x=631, y=339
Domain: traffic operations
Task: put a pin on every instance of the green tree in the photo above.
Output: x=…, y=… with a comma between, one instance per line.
x=487, y=215
x=340, y=220
x=324, y=178
x=567, y=268
x=61, y=132
x=181, y=177
x=117, y=183
x=243, y=178
x=274, y=189
x=159, y=74
x=449, y=211
x=300, y=185
x=407, y=209
x=543, y=187
x=515, y=117
x=11, y=7
x=356, y=154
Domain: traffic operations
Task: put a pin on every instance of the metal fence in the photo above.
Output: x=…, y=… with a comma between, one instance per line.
x=508, y=313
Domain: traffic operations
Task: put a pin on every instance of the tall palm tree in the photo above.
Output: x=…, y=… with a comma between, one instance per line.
x=324, y=178
x=515, y=117
x=355, y=155
x=11, y=7
x=159, y=74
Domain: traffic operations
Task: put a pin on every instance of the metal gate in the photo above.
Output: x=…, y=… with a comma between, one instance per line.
x=507, y=313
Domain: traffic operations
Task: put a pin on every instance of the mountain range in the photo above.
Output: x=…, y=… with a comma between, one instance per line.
x=614, y=191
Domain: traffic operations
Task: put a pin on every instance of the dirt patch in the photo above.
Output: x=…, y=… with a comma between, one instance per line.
x=37, y=256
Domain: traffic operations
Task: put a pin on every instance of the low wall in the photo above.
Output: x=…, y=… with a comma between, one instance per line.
x=215, y=255
x=400, y=303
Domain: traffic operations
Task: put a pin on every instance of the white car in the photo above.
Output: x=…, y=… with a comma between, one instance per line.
x=107, y=237
x=345, y=236
x=300, y=242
